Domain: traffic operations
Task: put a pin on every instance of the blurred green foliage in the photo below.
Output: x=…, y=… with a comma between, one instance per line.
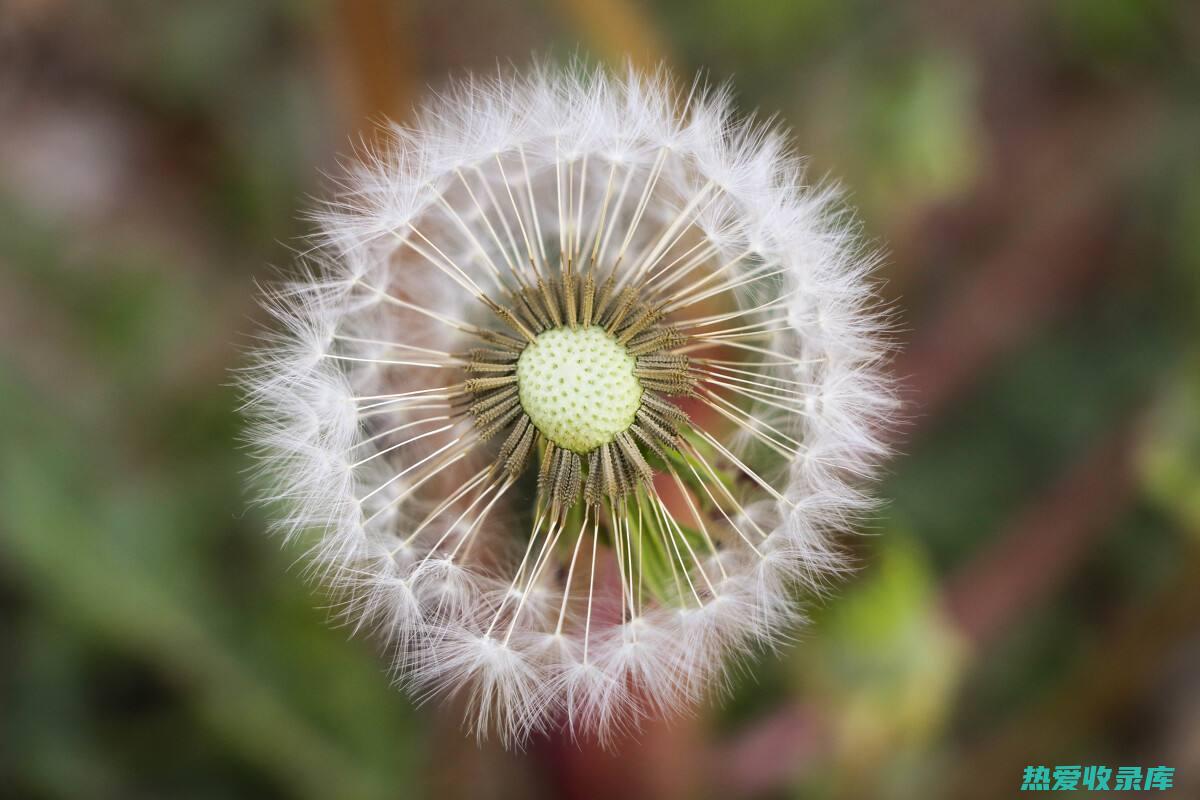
x=169, y=634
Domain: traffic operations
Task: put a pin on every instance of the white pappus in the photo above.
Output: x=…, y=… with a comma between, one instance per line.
x=578, y=383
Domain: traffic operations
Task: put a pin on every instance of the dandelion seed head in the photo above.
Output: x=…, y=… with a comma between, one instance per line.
x=579, y=383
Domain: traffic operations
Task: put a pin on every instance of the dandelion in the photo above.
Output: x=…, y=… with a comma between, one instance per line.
x=579, y=382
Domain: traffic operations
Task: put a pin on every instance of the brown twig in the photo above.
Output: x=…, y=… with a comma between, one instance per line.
x=617, y=29
x=377, y=59
x=1062, y=240
x=1046, y=541
x=1116, y=674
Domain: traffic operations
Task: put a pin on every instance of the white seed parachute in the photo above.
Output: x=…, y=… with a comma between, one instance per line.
x=579, y=381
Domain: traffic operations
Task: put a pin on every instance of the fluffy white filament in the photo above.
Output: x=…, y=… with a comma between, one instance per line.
x=544, y=622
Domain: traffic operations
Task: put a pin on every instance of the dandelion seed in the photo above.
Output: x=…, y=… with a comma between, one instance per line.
x=579, y=383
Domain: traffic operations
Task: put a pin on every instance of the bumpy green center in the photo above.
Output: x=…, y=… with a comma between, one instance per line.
x=578, y=387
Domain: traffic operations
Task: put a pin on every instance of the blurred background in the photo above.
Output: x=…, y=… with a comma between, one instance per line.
x=1029, y=594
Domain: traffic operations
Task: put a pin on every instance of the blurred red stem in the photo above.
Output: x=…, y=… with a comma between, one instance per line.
x=1045, y=542
x=983, y=599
